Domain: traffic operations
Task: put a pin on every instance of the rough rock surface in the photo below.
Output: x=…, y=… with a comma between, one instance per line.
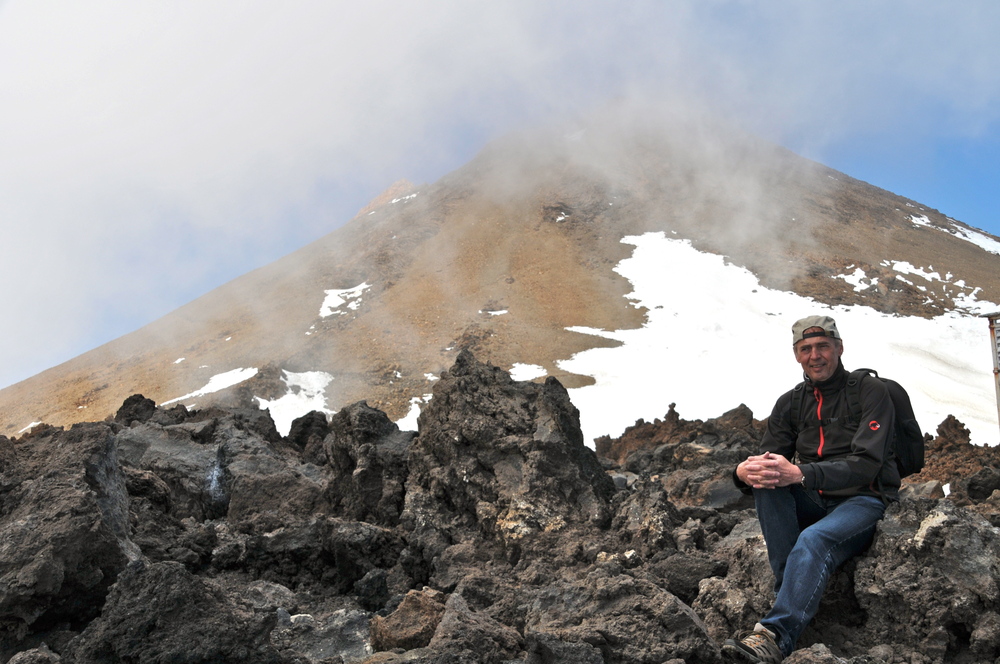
x=491, y=535
x=64, y=532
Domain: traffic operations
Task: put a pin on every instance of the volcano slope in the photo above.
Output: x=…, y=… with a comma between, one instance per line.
x=491, y=535
x=506, y=257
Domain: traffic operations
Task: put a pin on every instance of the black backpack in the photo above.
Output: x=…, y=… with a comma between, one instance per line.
x=907, y=440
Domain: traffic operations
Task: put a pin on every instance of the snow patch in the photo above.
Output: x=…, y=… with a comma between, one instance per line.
x=29, y=427
x=965, y=301
x=904, y=267
x=218, y=382
x=409, y=421
x=306, y=393
x=336, y=301
x=981, y=240
x=526, y=371
x=858, y=279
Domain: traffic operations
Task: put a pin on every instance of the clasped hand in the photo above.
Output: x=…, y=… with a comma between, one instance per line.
x=768, y=471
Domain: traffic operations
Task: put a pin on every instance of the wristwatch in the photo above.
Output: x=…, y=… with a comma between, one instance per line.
x=803, y=480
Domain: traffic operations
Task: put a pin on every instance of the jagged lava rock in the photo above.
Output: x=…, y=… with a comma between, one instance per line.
x=506, y=458
x=412, y=624
x=692, y=459
x=64, y=533
x=163, y=613
x=305, y=549
x=931, y=582
x=368, y=456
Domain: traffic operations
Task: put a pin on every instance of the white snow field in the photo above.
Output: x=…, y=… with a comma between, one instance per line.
x=710, y=349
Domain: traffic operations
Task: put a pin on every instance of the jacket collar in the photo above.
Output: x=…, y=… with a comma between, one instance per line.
x=832, y=384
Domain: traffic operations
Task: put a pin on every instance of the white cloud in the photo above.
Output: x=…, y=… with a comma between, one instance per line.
x=151, y=151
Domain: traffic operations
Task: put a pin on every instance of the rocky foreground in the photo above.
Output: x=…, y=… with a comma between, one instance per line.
x=493, y=535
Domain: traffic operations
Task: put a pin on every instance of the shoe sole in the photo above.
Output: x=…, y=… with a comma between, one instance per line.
x=734, y=653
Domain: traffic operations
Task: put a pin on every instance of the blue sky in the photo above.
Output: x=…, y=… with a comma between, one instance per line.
x=151, y=151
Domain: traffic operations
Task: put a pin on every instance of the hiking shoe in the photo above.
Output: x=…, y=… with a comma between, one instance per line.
x=755, y=646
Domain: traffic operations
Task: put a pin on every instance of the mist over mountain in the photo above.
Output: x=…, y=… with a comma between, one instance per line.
x=641, y=259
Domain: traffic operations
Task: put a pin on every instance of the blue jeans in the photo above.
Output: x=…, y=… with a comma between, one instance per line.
x=808, y=537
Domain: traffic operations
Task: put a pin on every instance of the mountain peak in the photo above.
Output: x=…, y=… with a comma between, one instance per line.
x=639, y=264
x=395, y=192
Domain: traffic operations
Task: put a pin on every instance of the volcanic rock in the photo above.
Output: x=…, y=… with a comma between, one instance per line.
x=368, y=456
x=163, y=613
x=64, y=531
x=412, y=624
x=492, y=534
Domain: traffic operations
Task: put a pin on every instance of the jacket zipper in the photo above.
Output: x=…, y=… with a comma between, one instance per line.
x=819, y=416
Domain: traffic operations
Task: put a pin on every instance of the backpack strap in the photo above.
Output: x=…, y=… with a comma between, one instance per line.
x=854, y=391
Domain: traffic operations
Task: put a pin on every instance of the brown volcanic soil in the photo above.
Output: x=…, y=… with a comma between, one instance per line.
x=532, y=226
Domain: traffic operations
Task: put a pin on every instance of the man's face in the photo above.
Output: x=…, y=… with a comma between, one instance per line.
x=818, y=356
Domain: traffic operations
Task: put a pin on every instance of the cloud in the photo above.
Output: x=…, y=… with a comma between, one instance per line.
x=149, y=151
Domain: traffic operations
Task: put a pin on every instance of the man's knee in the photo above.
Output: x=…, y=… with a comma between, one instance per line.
x=815, y=540
x=835, y=545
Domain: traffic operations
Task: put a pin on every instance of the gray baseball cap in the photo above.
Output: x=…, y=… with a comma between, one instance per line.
x=825, y=323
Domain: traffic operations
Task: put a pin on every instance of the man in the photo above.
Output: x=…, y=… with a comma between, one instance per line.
x=820, y=485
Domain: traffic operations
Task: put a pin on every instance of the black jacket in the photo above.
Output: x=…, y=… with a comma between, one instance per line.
x=838, y=457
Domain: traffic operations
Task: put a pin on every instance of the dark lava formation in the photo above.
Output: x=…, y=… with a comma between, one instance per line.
x=494, y=535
